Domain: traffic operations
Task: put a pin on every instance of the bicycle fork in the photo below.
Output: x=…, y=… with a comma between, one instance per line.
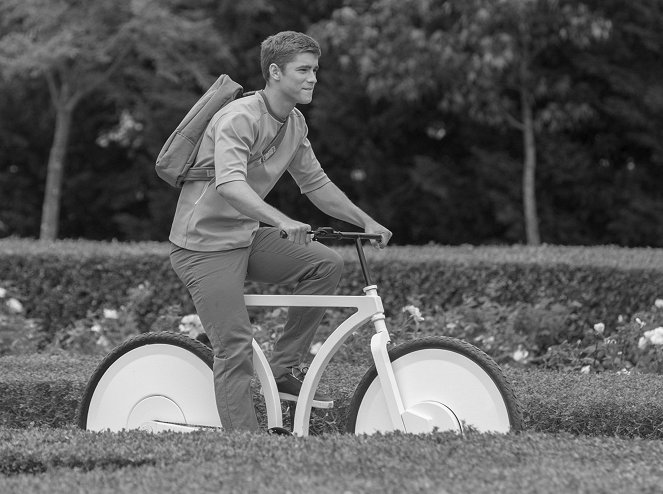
x=401, y=419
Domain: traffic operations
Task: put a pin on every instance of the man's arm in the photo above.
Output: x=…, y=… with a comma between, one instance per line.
x=332, y=201
x=245, y=200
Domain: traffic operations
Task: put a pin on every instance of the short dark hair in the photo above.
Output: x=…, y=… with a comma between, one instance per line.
x=283, y=47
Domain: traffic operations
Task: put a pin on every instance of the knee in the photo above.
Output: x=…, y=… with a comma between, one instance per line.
x=334, y=265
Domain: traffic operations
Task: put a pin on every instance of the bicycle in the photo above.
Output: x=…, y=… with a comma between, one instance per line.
x=164, y=381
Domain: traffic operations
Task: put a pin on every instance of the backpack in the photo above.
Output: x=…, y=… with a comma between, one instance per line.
x=178, y=155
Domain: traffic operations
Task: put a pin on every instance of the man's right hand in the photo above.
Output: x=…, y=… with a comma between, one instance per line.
x=295, y=232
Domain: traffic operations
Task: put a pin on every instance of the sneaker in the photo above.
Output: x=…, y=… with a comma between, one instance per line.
x=290, y=384
x=278, y=431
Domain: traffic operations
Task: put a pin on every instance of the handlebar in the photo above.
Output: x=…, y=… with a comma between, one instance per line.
x=327, y=233
x=331, y=234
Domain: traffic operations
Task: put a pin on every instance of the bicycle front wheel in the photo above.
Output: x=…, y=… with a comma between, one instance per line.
x=450, y=382
x=153, y=381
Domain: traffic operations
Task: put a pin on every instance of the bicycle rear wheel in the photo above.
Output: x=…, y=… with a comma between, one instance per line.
x=449, y=381
x=153, y=381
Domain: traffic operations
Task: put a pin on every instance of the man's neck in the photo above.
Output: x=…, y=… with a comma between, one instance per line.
x=279, y=106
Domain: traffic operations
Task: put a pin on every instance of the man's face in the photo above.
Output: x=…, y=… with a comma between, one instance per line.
x=298, y=78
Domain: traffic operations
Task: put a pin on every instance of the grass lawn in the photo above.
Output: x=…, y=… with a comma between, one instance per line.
x=68, y=460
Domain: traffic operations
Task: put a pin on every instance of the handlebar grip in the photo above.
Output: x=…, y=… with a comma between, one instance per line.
x=329, y=233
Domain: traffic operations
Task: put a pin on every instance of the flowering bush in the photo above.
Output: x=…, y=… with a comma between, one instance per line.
x=18, y=334
x=634, y=345
x=549, y=335
x=101, y=331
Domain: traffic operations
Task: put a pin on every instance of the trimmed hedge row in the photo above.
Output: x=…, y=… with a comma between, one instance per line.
x=594, y=404
x=45, y=391
x=61, y=282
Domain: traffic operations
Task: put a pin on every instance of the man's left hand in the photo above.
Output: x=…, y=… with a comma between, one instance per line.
x=376, y=228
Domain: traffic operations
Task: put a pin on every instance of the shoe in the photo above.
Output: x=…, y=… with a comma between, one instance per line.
x=290, y=384
x=279, y=431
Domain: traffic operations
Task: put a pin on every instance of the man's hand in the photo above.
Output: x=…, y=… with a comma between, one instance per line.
x=295, y=231
x=381, y=230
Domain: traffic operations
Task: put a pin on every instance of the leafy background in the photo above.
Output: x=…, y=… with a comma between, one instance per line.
x=420, y=113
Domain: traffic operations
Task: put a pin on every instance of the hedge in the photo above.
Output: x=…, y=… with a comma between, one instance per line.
x=61, y=282
x=44, y=390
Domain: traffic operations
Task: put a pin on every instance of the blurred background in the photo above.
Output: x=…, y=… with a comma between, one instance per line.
x=450, y=121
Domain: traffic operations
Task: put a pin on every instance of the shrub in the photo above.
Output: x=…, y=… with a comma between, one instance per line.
x=64, y=282
x=41, y=390
x=634, y=344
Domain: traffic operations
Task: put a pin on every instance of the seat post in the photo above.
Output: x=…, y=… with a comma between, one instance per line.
x=362, y=262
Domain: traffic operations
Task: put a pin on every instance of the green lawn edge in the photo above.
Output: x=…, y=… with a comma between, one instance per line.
x=69, y=460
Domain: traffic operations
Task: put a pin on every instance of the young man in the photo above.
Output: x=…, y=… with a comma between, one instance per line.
x=216, y=235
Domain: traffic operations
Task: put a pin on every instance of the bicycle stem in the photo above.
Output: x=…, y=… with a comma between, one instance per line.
x=362, y=262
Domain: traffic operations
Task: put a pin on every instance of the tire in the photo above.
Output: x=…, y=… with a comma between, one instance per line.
x=453, y=382
x=165, y=377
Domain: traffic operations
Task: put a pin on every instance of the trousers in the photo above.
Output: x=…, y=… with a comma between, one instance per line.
x=215, y=281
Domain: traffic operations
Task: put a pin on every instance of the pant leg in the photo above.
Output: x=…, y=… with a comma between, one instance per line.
x=215, y=281
x=314, y=268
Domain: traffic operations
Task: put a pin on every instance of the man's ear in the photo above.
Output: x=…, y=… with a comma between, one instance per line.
x=275, y=72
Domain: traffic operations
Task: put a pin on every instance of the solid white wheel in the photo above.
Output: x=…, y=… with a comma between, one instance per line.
x=162, y=377
x=445, y=384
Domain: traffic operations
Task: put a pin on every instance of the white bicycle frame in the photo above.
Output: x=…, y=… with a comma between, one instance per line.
x=369, y=306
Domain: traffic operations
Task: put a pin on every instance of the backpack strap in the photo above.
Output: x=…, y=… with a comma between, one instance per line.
x=205, y=173
x=272, y=146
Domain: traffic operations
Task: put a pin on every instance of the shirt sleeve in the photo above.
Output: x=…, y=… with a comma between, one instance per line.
x=306, y=169
x=233, y=135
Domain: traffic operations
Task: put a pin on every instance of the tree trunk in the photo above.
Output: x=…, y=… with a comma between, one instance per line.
x=529, y=172
x=50, y=214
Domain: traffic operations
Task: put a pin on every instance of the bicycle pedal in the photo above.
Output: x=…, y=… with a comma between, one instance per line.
x=314, y=404
x=293, y=399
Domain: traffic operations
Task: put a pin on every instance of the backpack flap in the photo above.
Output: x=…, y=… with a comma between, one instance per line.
x=179, y=152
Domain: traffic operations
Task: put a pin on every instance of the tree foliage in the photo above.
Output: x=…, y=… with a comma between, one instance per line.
x=82, y=48
x=484, y=58
x=418, y=113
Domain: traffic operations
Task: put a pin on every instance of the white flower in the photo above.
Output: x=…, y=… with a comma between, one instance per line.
x=640, y=322
x=520, y=354
x=3, y=292
x=315, y=348
x=191, y=325
x=14, y=306
x=414, y=312
x=599, y=328
x=110, y=314
x=96, y=328
x=658, y=303
x=624, y=371
x=642, y=343
x=655, y=336
x=585, y=369
x=103, y=341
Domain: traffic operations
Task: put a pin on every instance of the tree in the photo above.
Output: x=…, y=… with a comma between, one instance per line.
x=487, y=58
x=84, y=48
